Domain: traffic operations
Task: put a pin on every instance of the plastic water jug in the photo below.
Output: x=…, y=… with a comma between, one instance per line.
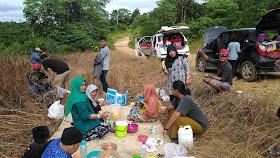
x=83, y=149
x=185, y=137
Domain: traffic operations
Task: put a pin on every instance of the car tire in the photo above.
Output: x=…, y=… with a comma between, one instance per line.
x=248, y=71
x=201, y=64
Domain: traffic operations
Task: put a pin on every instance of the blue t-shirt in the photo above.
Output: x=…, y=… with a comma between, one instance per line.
x=54, y=150
x=234, y=49
x=35, y=58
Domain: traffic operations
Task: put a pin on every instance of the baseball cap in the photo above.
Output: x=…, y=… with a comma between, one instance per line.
x=36, y=66
x=224, y=52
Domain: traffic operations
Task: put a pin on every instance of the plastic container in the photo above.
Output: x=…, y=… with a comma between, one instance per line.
x=83, y=149
x=143, y=150
x=112, y=128
x=121, y=128
x=238, y=93
x=132, y=128
x=114, y=111
x=142, y=138
x=94, y=154
x=185, y=137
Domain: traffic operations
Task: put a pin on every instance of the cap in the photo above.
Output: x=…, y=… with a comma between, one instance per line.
x=38, y=49
x=36, y=67
x=71, y=136
x=83, y=142
x=225, y=52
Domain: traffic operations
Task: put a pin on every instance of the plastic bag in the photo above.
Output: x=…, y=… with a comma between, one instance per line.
x=61, y=92
x=56, y=110
x=172, y=150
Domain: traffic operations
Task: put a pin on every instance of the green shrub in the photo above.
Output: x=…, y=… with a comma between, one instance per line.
x=47, y=44
x=66, y=48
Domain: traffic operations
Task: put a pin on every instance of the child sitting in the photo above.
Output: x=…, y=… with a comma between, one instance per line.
x=35, y=83
x=41, y=135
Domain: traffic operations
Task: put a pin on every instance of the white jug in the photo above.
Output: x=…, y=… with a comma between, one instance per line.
x=185, y=137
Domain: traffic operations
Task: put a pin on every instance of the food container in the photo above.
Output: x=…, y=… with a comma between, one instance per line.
x=238, y=93
x=121, y=128
x=142, y=138
x=132, y=128
x=94, y=154
x=115, y=111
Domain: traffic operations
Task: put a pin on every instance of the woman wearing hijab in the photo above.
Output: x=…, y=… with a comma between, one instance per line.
x=176, y=67
x=91, y=92
x=83, y=115
x=147, y=111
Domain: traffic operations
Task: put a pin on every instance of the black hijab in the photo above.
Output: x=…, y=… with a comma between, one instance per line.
x=169, y=60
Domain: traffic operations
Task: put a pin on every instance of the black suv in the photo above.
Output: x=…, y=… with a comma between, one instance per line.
x=256, y=56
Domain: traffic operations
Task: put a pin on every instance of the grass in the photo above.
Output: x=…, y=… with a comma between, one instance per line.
x=193, y=45
x=243, y=126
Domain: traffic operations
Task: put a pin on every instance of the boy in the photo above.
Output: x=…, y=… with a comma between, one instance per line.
x=41, y=135
x=63, y=147
x=101, y=63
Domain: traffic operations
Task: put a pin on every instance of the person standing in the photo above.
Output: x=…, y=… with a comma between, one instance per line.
x=59, y=70
x=35, y=57
x=176, y=67
x=234, y=49
x=101, y=63
x=223, y=80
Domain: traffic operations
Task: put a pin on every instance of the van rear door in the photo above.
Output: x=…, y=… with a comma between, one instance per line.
x=143, y=46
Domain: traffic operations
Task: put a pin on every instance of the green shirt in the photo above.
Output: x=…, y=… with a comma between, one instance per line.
x=81, y=111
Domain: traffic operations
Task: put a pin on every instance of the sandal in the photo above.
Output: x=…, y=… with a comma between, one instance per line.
x=275, y=151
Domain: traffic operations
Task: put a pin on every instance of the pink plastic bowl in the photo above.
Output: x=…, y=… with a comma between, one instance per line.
x=142, y=139
x=132, y=128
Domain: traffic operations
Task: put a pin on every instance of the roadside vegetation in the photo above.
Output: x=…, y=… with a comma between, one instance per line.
x=243, y=126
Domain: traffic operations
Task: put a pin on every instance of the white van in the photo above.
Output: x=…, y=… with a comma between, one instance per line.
x=157, y=45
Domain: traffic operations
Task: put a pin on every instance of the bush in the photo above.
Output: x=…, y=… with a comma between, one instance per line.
x=66, y=48
x=121, y=27
x=47, y=44
x=15, y=48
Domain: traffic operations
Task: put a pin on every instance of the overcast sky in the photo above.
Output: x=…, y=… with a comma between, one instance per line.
x=12, y=10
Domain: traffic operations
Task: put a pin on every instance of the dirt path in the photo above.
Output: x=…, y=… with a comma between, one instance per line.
x=122, y=45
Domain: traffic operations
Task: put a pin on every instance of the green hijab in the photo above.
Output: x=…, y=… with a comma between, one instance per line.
x=76, y=95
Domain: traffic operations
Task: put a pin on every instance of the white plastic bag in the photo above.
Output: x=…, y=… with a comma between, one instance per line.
x=61, y=92
x=56, y=110
x=172, y=150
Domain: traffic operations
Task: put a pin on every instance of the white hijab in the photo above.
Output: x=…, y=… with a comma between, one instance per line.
x=90, y=89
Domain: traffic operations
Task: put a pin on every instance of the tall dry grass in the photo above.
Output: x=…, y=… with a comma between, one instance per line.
x=19, y=110
x=240, y=127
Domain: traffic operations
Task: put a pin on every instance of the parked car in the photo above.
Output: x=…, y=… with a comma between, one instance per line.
x=258, y=53
x=156, y=45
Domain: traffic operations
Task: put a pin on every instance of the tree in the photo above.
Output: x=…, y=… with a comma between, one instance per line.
x=135, y=13
x=69, y=22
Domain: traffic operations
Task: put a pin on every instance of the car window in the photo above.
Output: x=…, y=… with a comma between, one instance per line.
x=224, y=38
x=160, y=38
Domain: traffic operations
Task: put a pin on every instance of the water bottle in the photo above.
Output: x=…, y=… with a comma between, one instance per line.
x=83, y=149
x=143, y=150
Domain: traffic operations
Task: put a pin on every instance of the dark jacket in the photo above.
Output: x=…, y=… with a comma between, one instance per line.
x=98, y=67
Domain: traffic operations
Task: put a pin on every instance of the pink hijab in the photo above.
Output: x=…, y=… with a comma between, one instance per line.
x=151, y=99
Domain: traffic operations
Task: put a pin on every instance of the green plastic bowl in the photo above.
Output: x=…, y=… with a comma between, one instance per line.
x=94, y=154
